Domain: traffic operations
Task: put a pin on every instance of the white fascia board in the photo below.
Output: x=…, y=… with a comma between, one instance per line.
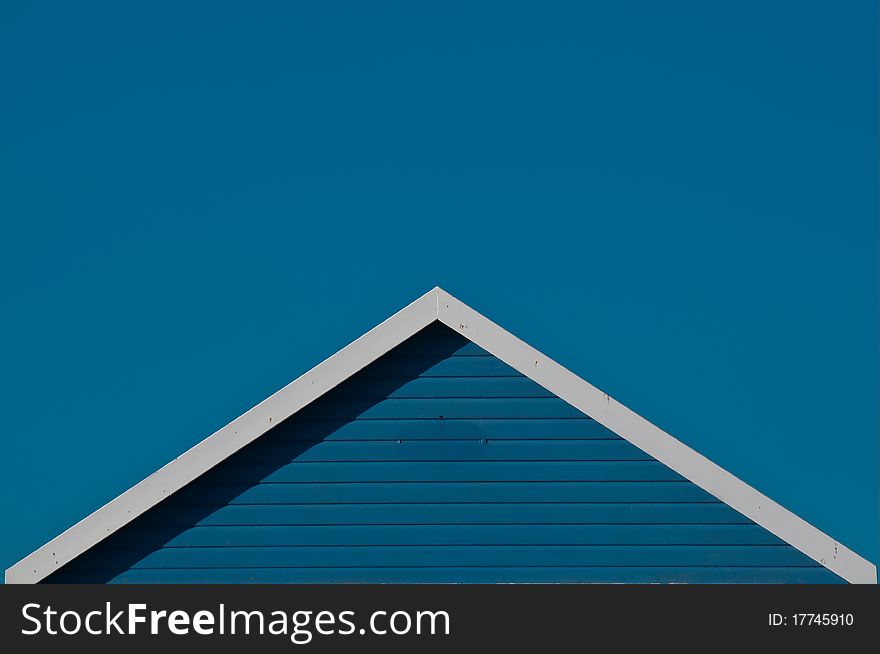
x=655, y=442
x=225, y=442
x=439, y=305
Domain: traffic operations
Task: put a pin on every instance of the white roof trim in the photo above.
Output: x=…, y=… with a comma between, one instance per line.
x=439, y=305
x=655, y=442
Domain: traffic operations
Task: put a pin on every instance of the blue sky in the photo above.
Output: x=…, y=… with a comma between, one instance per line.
x=677, y=202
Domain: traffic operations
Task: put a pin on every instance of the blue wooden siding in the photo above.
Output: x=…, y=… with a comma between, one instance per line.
x=439, y=463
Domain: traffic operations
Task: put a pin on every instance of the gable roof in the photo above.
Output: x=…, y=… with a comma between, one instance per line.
x=437, y=305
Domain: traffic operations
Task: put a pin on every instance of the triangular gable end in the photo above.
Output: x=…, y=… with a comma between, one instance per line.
x=437, y=305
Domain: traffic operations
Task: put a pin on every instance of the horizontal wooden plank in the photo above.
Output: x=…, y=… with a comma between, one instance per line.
x=458, y=450
x=443, y=409
x=358, y=535
x=380, y=493
x=507, y=429
x=488, y=575
x=446, y=513
x=430, y=366
x=466, y=555
x=436, y=343
x=440, y=387
x=478, y=471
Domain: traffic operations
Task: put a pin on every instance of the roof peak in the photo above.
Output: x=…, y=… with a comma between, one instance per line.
x=439, y=305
